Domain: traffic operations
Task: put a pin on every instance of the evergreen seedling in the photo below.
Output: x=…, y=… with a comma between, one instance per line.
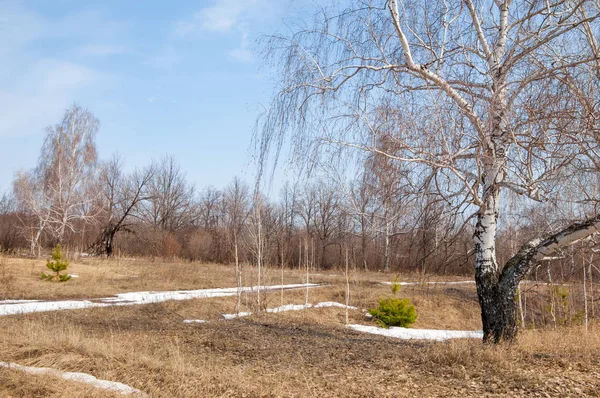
x=394, y=311
x=56, y=265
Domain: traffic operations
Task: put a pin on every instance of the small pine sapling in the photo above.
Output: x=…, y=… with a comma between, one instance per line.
x=394, y=311
x=56, y=265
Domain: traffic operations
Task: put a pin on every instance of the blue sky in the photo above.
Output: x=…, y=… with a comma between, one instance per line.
x=181, y=78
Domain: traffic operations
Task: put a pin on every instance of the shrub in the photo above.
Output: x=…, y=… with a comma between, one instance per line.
x=394, y=312
x=56, y=265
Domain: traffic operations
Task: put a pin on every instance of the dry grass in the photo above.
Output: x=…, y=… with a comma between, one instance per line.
x=20, y=278
x=306, y=353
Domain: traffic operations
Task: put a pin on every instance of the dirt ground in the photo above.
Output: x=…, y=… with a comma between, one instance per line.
x=308, y=353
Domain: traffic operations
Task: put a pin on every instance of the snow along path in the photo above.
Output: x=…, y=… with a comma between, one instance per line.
x=419, y=334
x=293, y=307
x=124, y=389
x=429, y=283
x=12, y=307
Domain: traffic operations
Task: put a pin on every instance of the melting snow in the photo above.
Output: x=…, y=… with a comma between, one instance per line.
x=292, y=307
x=194, y=321
x=76, y=376
x=238, y=315
x=25, y=306
x=334, y=304
x=429, y=283
x=419, y=334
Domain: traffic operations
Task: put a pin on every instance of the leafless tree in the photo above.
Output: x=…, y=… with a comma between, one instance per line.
x=9, y=231
x=122, y=195
x=360, y=205
x=236, y=204
x=170, y=202
x=59, y=191
x=326, y=216
x=480, y=93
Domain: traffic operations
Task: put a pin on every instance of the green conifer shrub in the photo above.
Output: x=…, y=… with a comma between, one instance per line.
x=56, y=265
x=394, y=312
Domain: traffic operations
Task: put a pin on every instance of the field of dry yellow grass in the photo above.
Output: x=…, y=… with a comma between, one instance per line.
x=309, y=353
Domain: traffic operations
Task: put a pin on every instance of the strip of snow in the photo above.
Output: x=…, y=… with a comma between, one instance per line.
x=194, y=321
x=124, y=389
x=238, y=315
x=17, y=301
x=429, y=283
x=290, y=307
x=132, y=298
x=42, y=306
x=334, y=304
x=419, y=334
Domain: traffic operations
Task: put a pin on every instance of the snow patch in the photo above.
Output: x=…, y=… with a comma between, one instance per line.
x=419, y=334
x=124, y=389
x=132, y=298
x=334, y=304
x=194, y=321
x=290, y=307
x=73, y=275
x=429, y=283
x=238, y=315
x=17, y=301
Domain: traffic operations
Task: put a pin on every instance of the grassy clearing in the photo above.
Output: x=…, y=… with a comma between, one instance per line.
x=305, y=353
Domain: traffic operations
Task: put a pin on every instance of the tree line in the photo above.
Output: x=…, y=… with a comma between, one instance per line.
x=93, y=206
x=380, y=217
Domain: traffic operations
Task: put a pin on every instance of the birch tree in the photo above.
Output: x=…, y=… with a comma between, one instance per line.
x=59, y=192
x=483, y=99
x=236, y=203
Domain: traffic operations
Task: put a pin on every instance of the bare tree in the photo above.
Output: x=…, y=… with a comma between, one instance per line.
x=59, y=191
x=170, y=197
x=236, y=209
x=122, y=195
x=67, y=169
x=361, y=206
x=326, y=216
x=9, y=232
x=480, y=96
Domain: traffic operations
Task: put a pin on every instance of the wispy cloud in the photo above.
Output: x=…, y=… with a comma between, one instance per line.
x=31, y=103
x=222, y=16
x=37, y=87
x=243, y=52
x=230, y=17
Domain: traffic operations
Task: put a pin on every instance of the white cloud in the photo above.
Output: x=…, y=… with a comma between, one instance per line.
x=37, y=100
x=230, y=17
x=243, y=53
x=224, y=14
x=36, y=88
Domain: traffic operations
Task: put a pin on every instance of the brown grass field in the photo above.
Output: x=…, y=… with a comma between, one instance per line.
x=306, y=353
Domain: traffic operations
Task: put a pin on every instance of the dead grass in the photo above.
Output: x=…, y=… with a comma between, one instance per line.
x=303, y=354
x=19, y=278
